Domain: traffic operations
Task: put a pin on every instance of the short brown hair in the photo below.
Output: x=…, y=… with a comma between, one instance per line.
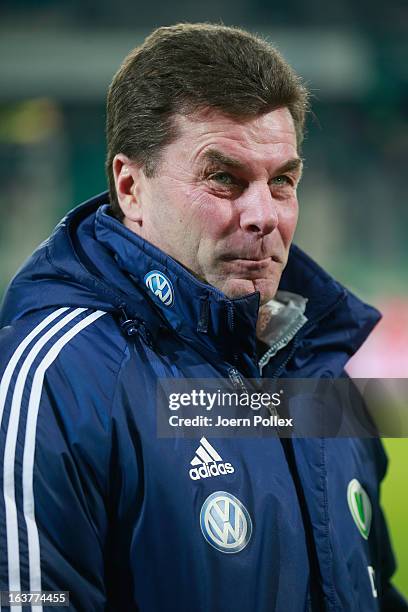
x=185, y=67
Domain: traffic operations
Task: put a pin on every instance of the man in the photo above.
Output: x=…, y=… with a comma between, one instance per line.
x=176, y=275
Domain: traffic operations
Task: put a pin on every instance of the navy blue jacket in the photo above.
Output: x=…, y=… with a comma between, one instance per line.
x=96, y=504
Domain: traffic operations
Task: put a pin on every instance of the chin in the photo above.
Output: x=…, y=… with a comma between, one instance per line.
x=236, y=288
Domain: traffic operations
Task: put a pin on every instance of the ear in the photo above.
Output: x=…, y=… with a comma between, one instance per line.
x=127, y=175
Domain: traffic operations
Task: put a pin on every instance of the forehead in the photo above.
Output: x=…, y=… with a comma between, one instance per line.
x=264, y=139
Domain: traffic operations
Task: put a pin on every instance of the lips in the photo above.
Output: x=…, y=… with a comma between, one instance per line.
x=251, y=268
x=259, y=260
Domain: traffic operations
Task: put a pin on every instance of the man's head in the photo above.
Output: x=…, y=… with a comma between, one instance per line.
x=204, y=127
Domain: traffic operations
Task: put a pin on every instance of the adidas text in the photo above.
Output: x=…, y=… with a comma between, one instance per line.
x=212, y=469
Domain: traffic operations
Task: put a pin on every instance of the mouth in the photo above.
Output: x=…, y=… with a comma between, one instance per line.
x=261, y=261
x=252, y=268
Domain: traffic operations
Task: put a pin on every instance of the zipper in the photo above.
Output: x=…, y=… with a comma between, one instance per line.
x=237, y=379
x=306, y=328
x=278, y=345
x=231, y=323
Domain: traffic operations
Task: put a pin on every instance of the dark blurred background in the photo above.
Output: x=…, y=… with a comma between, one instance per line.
x=58, y=57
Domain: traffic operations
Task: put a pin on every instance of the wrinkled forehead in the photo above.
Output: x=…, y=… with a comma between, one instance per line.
x=265, y=139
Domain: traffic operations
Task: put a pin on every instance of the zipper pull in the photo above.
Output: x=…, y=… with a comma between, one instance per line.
x=237, y=379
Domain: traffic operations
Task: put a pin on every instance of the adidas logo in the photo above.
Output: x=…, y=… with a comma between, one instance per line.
x=207, y=462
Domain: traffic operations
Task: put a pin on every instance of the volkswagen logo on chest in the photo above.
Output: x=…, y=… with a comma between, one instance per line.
x=225, y=522
x=160, y=286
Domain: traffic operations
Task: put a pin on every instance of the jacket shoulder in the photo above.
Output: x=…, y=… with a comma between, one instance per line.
x=71, y=346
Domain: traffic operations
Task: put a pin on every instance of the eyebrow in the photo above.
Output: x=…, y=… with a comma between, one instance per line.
x=217, y=157
x=292, y=164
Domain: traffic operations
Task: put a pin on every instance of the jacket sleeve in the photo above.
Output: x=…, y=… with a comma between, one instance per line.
x=390, y=600
x=55, y=445
x=362, y=427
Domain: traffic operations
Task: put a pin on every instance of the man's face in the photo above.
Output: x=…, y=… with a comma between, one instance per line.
x=223, y=202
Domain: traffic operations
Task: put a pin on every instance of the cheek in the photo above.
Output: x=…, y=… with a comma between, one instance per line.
x=288, y=220
x=212, y=216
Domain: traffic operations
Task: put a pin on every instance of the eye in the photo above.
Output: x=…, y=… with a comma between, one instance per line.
x=283, y=179
x=223, y=178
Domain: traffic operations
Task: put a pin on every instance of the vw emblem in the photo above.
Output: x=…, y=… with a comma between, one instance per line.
x=360, y=507
x=160, y=286
x=225, y=522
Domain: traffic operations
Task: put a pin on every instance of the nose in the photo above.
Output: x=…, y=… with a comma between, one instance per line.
x=259, y=210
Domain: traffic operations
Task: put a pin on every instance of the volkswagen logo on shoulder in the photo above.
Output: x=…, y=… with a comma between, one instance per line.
x=160, y=286
x=225, y=522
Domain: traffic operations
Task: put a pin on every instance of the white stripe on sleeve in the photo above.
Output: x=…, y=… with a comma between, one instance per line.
x=29, y=447
x=10, y=450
